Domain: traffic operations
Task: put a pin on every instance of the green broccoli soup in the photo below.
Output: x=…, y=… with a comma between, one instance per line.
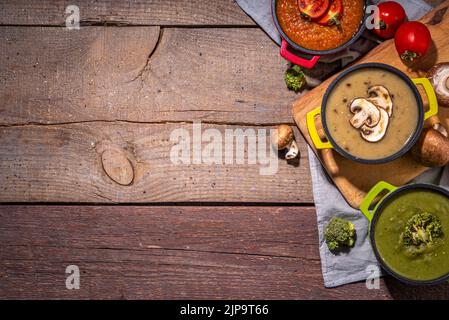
x=411, y=234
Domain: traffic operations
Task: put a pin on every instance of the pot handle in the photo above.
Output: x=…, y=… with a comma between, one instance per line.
x=309, y=64
x=372, y=195
x=313, y=132
x=433, y=102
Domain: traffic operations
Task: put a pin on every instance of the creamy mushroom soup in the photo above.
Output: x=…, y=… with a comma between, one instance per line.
x=371, y=113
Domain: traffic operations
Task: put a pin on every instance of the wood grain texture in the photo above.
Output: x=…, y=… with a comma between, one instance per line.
x=61, y=163
x=434, y=3
x=142, y=74
x=73, y=92
x=172, y=253
x=354, y=180
x=135, y=12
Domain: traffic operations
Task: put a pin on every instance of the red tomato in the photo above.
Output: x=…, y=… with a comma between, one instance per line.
x=333, y=15
x=412, y=40
x=391, y=16
x=313, y=9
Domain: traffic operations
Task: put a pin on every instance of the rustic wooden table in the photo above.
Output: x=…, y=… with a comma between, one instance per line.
x=133, y=73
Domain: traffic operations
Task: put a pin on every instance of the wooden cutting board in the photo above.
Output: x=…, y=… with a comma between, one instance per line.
x=353, y=179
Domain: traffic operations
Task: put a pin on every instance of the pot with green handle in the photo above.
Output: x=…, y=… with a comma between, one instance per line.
x=324, y=111
x=388, y=218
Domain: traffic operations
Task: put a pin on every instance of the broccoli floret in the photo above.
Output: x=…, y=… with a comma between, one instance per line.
x=295, y=78
x=339, y=233
x=421, y=230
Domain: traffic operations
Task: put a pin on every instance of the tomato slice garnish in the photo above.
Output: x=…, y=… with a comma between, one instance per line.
x=313, y=9
x=333, y=15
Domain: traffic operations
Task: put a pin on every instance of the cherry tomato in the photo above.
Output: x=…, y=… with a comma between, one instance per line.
x=313, y=9
x=333, y=15
x=412, y=40
x=391, y=16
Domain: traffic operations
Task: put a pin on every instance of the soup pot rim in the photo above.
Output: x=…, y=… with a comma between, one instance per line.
x=407, y=146
x=383, y=202
x=318, y=52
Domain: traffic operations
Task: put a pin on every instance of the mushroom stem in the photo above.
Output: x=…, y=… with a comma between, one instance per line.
x=378, y=132
x=366, y=113
x=284, y=138
x=439, y=127
x=292, y=150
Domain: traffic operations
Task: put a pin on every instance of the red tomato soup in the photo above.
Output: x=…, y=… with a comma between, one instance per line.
x=313, y=36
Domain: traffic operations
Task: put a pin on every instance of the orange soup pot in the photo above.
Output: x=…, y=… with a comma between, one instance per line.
x=317, y=38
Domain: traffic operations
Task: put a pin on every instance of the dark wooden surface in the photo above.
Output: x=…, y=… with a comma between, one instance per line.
x=172, y=252
x=134, y=72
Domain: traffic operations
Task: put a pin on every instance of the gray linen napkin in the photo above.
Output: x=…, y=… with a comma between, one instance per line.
x=349, y=266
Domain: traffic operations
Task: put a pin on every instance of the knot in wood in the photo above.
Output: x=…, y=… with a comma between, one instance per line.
x=117, y=166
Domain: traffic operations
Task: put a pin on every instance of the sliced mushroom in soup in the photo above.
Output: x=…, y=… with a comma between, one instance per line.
x=375, y=116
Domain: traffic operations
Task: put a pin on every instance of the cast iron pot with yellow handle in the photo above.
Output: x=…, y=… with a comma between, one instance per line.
x=373, y=216
x=412, y=83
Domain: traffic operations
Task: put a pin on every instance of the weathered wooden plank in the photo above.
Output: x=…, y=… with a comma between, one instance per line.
x=172, y=252
x=123, y=85
x=169, y=253
x=110, y=73
x=60, y=163
x=136, y=12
